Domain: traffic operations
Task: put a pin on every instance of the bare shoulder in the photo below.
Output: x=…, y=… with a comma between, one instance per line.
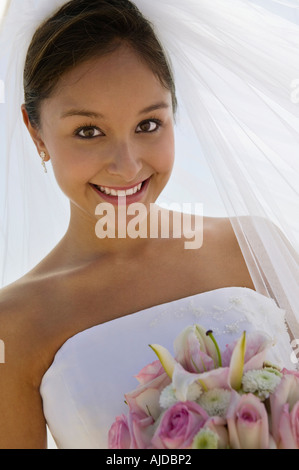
x=22, y=422
x=225, y=253
x=25, y=319
x=220, y=230
x=16, y=305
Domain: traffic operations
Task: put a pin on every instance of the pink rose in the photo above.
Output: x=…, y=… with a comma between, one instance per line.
x=247, y=422
x=144, y=400
x=141, y=429
x=150, y=372
x=178, y=426
x=218, y=426
x=286, y=393
x=119, y=434
x=289, y=427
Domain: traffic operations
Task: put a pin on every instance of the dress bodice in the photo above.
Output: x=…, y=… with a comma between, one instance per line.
x=83, y=390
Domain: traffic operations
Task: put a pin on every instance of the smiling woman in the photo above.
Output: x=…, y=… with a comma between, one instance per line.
x=128, y=141
x=101, y=110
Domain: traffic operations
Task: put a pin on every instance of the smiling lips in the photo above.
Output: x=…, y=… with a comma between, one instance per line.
x=120, y=192
x=115, y=193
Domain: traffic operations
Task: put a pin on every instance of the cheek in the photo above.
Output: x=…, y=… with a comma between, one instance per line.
x=162, y=157
x=71, y=165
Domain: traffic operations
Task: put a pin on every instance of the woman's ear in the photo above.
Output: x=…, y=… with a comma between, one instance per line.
x=34, y=132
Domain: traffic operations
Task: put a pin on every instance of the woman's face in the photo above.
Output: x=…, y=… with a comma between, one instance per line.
x=108, y=127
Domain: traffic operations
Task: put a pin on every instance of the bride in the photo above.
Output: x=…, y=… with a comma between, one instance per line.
x=101, y=107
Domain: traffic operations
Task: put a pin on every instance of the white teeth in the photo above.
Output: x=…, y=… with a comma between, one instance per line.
x=105, y=190
x=120, y=193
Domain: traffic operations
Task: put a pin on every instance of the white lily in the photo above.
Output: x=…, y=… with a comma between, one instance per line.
x=236, y=366
x=186, y=384
x=166, y=359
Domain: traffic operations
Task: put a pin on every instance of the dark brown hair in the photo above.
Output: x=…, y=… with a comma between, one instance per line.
x=81, y=30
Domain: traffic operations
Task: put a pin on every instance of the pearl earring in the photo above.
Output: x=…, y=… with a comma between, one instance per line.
x=43, y=156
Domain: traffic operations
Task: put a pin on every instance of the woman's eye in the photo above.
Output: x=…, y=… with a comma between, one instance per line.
x=88, y=132
x=149, y=126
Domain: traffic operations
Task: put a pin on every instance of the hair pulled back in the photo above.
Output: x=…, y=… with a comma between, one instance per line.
x=81, y=30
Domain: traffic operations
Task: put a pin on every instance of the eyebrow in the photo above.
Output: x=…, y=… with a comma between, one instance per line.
x=93, y=114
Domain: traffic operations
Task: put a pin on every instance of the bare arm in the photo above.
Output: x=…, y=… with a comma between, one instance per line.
x=22, y=424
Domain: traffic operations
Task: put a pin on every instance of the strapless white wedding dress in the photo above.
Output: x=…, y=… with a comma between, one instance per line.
x=83, y=390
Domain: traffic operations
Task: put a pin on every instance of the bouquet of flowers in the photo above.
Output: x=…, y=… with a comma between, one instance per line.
x=204, y=398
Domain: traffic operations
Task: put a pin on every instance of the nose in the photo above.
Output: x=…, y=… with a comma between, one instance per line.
x=124, y=162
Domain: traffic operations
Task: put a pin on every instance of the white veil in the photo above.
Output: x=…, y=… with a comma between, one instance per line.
x=236, y=66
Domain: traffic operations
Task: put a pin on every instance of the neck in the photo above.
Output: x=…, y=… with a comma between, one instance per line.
x=88, y=238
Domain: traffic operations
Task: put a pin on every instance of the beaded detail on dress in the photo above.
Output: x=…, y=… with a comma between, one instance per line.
x=259, y=315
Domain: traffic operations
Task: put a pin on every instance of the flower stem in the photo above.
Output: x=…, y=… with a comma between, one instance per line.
x=210, y=334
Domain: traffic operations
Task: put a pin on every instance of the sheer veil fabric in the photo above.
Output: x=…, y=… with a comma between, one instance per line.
x=236, y=68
